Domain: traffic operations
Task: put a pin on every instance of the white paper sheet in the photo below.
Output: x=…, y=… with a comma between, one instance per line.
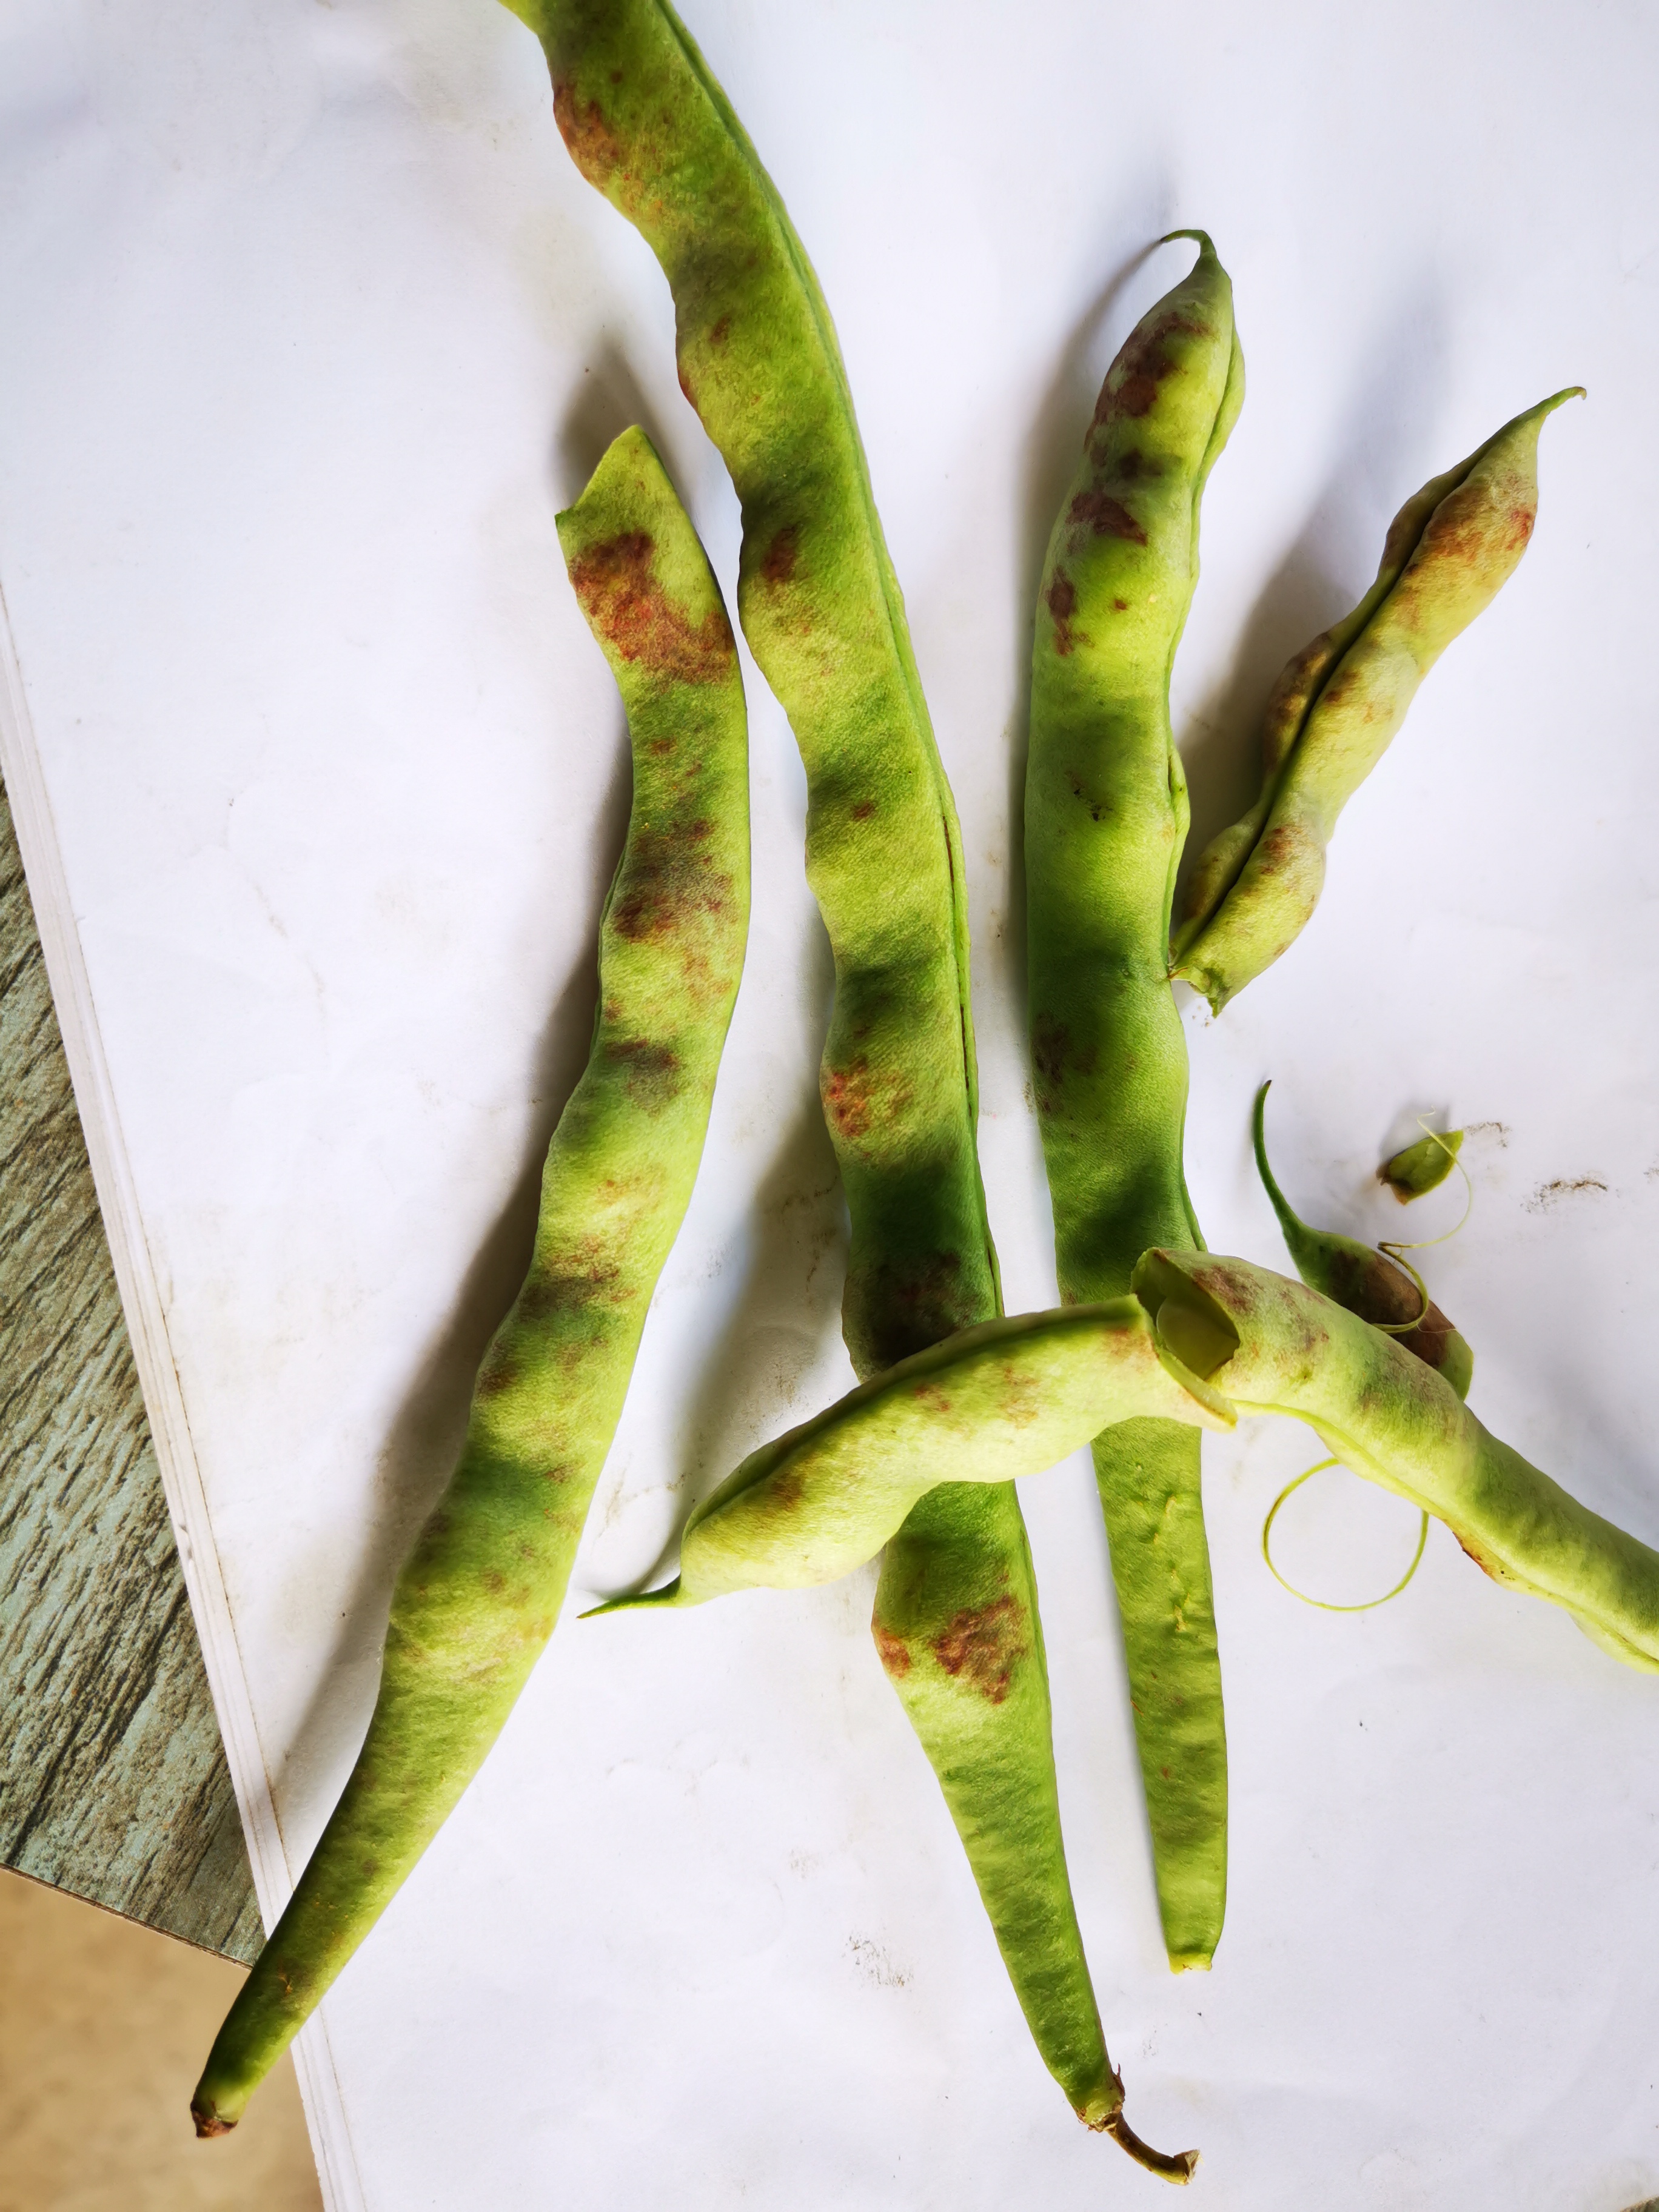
x=310, y=327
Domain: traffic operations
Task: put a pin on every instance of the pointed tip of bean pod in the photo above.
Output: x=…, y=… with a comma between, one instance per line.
x=1205, y=243
x=632, y=1600
x=210, y=2121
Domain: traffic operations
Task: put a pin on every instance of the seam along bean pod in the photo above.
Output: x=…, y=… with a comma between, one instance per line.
x=955, y=1618
x=1106, y=817
x=479, y=1595
x=1332, y=714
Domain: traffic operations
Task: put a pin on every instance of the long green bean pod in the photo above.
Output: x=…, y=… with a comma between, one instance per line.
x=1270, y=1345
x=479, y=1595
x=1335, y=708
x=1364, y=1279
x=650, y=128
x=1106, y=816
x=1007, y=1398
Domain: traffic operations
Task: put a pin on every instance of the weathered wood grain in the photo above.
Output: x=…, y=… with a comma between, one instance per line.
x=112, y=1779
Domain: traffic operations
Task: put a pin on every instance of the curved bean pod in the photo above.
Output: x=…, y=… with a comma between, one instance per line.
x=479, y=1594
x=1330, y=718
x=1006, y=1399
x=649, y=127
x=1273, y=1347
x=1105, y=819
x=1365, y=1280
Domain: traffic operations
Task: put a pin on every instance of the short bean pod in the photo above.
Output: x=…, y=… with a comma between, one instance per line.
x=1422, y=1167
x=479, y=1594
x=1006, y=1399
x=1366, y=1281
x=1273, y=1347
x=1336, y=706
x=1105, y=819
x=650, y=128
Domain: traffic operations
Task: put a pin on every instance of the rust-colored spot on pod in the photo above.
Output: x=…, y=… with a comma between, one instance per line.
x=615, y=582
x=778, y=564
x=982, y=1646
x=1061, y=596
x=849, y=1100
x=653, y=1071
x=1106, y=516
x=893, y=1652
x=594, y=147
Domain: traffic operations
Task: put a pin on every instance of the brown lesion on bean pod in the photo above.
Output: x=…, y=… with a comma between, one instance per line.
x=652, y=1071
x=982, y=1646
x=1062, y=600
x=1132, y=383
x=860, y=1101
x=778, y=563
x=1468, y=532
x=893, y=1650
x=1098, y=511
x=1054, y=1057
x=594, y=147
x=615, y=582
x=668, y=883
x=587, y=1276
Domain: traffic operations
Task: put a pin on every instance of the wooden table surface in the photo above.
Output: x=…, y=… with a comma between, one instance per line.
x=112, y=1779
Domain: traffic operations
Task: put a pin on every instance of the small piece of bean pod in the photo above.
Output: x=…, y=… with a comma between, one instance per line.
x=479, y=1594
x=1006, y=1399
x=1422, y=1167
x=1270, y=1345
x=1106, y=817
x=1365, y=1280
x=1334, y=709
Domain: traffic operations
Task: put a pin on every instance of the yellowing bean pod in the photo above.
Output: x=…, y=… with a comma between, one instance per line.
x=1449, y=552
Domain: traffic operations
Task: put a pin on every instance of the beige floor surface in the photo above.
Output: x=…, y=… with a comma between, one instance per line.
x=103, y=2029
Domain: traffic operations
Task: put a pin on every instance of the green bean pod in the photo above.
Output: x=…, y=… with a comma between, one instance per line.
x=650, y=128
x=1106, y=817
x=1365, y=1280
x=1332, y=714
x=1008, y=1398
x=479, y=1595
x=1270, y=1345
